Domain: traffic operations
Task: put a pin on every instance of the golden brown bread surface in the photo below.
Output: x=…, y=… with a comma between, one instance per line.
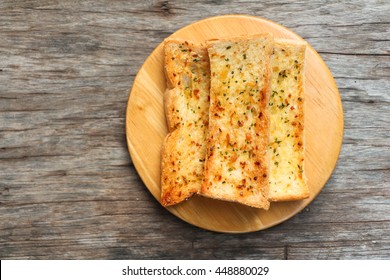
x=287, y=143
x=254, y=145
x=186, y=102
x=237, y=159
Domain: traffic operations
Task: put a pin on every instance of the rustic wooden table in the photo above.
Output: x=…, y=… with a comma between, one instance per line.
x=68, y=189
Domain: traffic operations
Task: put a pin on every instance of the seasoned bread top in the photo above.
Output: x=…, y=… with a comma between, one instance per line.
x=237, y=160
x=187, y=70
x=186, y=102
x=287, y=142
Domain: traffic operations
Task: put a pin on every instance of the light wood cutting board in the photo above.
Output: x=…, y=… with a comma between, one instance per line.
x=146, y=128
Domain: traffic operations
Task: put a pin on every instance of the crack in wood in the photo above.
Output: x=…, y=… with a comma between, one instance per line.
x=354, y=53
x=286, y=252
x=341, y=25
x=24, y=157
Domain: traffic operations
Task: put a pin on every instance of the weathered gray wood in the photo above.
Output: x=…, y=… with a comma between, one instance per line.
x=67, y=185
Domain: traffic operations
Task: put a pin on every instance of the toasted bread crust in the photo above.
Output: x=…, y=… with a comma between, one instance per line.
x=186, y=102
x=287, y=141
x=243, y=142
x=237, y=158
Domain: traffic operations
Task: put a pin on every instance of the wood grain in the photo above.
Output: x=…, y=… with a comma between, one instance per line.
x=68, y=187
x=146, y=128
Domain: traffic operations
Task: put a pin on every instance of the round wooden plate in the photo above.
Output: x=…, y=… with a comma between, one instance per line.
x=146, y=128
